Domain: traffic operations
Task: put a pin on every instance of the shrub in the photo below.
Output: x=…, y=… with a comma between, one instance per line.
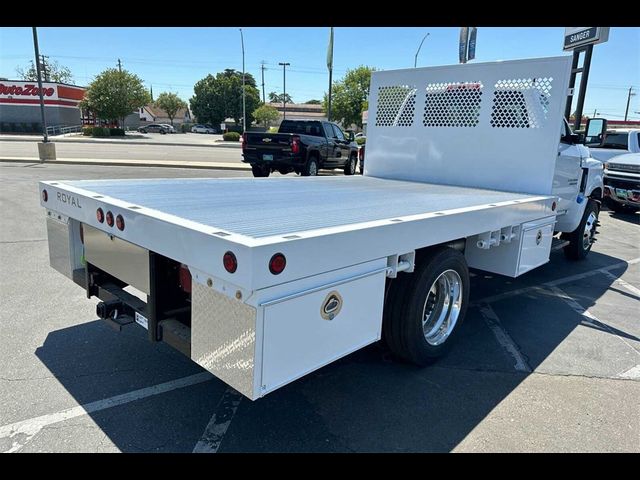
x=87, y=131
x=186, y=127
x=273, y=130
x=116, y=132
x=231, y=137
x=100, y=132
x=361, y=140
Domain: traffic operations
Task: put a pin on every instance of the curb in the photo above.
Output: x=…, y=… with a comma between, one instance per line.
x=129, y=142
x=130, y=163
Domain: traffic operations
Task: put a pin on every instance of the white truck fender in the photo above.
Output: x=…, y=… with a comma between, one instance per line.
x=594, y=186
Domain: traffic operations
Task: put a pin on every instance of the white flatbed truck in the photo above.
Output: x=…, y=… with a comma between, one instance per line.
x=261, y=281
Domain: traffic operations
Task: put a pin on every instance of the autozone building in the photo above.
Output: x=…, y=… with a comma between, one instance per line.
x=20, y=105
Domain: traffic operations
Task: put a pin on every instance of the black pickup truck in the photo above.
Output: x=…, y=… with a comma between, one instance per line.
x=301, y=146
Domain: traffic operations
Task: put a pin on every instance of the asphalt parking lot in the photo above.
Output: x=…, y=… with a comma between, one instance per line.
x=546, y=362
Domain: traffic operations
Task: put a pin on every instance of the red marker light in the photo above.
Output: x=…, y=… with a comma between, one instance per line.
x=110, y=219
x=230, y=262
x=100, y=215
x=277, y=264
x=120, y=222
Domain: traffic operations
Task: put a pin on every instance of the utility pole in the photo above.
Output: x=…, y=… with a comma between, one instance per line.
x=244, y=107
x=120, y=85
x=595, y=112
x=45, y=71
x=38, y=71
x=284, y=87
x=262, y=68
x=626, y=111
x=330, y=67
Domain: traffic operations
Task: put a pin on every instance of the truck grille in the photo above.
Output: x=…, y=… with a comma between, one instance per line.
x=621, y=167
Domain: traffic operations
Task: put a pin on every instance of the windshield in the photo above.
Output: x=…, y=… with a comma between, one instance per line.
x=618, y=141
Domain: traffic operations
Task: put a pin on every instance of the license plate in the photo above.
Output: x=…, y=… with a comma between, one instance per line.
x=267, y=157
x=622, y=193
x=141, y=320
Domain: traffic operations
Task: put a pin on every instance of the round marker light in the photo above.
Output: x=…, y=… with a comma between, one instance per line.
x=100, y=215
x=45, y=196
x=553, y=206
x=120, y=222
x=230, y=262
x=110, y=219
x=277, y=264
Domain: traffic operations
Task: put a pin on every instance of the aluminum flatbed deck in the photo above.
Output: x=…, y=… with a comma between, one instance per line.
x=283, y=206
x=323, y=223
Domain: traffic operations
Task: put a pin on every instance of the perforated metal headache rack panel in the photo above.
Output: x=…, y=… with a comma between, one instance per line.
x=278, y=206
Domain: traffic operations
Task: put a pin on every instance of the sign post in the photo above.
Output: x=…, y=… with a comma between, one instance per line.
x=581, y=39
x=464, y=42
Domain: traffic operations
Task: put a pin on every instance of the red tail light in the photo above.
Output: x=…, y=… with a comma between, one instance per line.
x=100, y=215
x=361, y=153
x=244, y=141
x=230, y=262
x=277, y=264
x=110, y=219
x=120, y=222
x=295, y=144
x=184, y=277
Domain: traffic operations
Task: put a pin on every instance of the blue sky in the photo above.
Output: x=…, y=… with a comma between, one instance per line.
x=173, y=59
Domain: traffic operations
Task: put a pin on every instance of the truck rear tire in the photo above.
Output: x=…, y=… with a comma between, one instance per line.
x=311, y=168
x=260, y=171
x=350, y=166
x=582, y=238
x=424, y=310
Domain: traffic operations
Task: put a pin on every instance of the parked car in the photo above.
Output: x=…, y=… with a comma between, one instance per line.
x=360, y=135
x=199, y=128
x=155, y=128
x=300, y=146
x=361, y=157
x=617, y=142
x=622, y=183
x=170, y=128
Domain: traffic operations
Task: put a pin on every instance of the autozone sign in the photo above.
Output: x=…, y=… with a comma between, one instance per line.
x=28, y=93
x=26, y=90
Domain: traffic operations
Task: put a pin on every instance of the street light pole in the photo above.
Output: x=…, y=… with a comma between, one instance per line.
x=44, y=120
x=244, y=105
x=284, y=87
x=415, y=60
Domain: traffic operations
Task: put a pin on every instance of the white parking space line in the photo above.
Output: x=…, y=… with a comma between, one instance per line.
x=504, y=339
x=588, y=315
x=633, y=373
x=32, y=426
x=624, y=284
x=559, y=281
x=219, y=423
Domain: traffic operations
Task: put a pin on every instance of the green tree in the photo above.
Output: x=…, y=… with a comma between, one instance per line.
x=278, y=97
x=349, y=96
x=170, y=103
x=54, y=72
x=114, y=94
x=266, y=114
x=313, y=102
x=220, y=97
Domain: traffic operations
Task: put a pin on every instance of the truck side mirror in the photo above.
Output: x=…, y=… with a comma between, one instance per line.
x=595, y=132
